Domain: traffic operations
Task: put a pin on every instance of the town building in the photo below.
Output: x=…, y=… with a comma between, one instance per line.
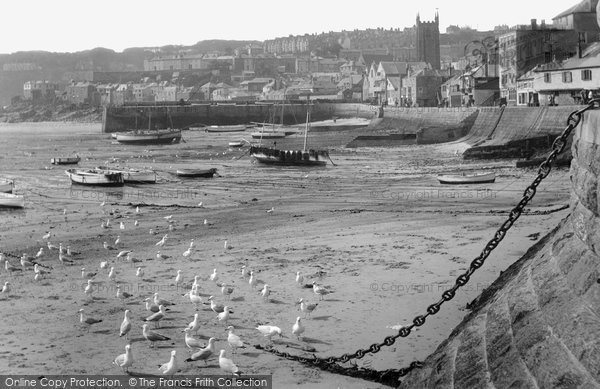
x=82, y=93
x=428, y=41
x=422, y=88
x=581, y=18
x=38, y=91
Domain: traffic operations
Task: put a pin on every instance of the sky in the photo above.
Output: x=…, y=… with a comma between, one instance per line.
x=76, y=25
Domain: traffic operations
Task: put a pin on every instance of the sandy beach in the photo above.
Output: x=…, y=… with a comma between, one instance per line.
x=377, y=230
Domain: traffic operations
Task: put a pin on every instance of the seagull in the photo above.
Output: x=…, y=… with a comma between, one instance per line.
x=122, y=225
x=200, y=205
x=195, y=298
x=157, y=316
x=205, y=222
x=265, y=292
x=89, y=321
x=47, y=236
x=40, y=252
x=63, y=259
x=124, y=361
x=227, y=364
x=26, y=262
x=298, y=328
x=112, y=274
x=6, y=288
x=118, y=240
x=125, y=325
x=214, y=276
x=299, y=279
x=205, y=353
x=150, y=306
x=104, y=265
x=234, y=340
x=171, y=228
x=107, y=222
x=103, y=225
x=152, y=232
x=307, y=308
x=102, y=204
x=38, y=270
x=252, y=281
x=319, y=290
x=37, y=277
x=159, y=301
x=51, y=246
x=136, y=223
x=10, y=268
x=224, y=316
x=196, y=282
x=139, y=272
x=69, y=252
x=270, y=210
x=123, y=253
x=269, y=331
x=226, y=246
x=89, y=289
x=187, y=252
x=194, y=324
x=137, y=209
x=107, y=246
x=152, y=336
x=122, y=295
x=190, y=341
x=192, y=244
x=226, y=291
x=244, y=271
x=162, y=241
x=61, y=249
x=162, y=256
x=87, y=275
x=178, y=278
x=170, y=367
x=168, y=217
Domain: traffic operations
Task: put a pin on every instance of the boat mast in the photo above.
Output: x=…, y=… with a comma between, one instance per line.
x=306, y=127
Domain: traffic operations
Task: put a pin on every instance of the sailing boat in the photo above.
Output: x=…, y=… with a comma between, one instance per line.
x=150, y=137
x=302, y=157
x=273, y=132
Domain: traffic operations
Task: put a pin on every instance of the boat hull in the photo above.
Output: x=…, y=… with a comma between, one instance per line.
x=235, y=128
x=268, y=135
x=270, y=156
x=95, y=177
x=205, y=173
x=8, y=200
x=150, y=138
x=133, y=176
x=65, y=160
x=6, y=186
x=457, y=179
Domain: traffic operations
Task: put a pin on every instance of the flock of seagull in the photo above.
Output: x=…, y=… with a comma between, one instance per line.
x=156, y=307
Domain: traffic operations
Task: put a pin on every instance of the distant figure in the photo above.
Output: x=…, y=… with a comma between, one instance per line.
x=274, y=144
x=590, y=96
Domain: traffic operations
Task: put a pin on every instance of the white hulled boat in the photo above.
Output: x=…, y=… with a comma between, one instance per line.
x=95, y=177
x=467, y=178
x=132, y=175
x=10, y=200
x=6, y=186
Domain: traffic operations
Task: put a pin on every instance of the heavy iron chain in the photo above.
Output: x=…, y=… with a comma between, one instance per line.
x=390, y=377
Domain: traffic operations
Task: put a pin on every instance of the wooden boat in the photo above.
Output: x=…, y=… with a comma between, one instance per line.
x=150, y=137
x=467, y=178
x=10, y=200
x=65, y=160
x=132, y=175
x=6, y=186
x=302, y=157
x=236, y=144
x=95, y=177
x=235, y=128
x=207, y=173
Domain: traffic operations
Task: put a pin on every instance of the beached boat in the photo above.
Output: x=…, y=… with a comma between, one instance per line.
x=268, y=134
x=132, y=175
x=65, y=160
x=150, y=137
x=236, y=144
x=6, y=186
x=304, y=157
x=10, y=200
x=467, y=178
x=207, y=173
x=234, y=128
x=95, y=177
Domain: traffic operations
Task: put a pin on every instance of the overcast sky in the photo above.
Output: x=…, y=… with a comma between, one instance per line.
x=75, y=25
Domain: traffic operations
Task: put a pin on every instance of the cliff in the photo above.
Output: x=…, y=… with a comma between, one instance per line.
x=538, y=325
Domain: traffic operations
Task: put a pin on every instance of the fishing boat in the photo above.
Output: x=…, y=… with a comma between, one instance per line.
x=150, y=137
x=236, y=144
x=95, y=177
x=467, y=178
x=6, y=186
x=304, y=157
x=235, y=128
x=65, y=160
x=206, y=173
x=272, y=130
x=130, y=175
x=10, y=200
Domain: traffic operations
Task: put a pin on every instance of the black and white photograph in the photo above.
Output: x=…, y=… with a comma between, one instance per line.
x=274, y=194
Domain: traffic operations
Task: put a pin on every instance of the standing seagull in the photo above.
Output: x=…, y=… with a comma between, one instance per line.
x=269, y=331
x=252, y=281
x=152, y=336
x=227, y=364
x=204, y=353
x=298, y=328
x=157, y=316
x=178, y=278
x=139, y=272
x=195, y=324
x=265, y=292
x=234, y=340
x=6, y=288
x=319, y=290
x=122, y=225
x=190, y=341
x=214, y=276
x=224, y=316
x=170, y=367
x=306, y=307
x=299, y=279
x=89, y=289
x=126, y=325
x=124, y=361
x=226, y=291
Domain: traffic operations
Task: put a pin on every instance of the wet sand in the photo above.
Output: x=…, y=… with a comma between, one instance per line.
x=377, y=230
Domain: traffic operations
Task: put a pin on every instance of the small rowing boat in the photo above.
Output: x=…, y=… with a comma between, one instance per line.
x=95, y=177
x=467, y=178
x=236, y=144
x=132, y=175
x=65, y=160
x=6, y=186
x=10, y=200
x=235, y=128
x=207, y=173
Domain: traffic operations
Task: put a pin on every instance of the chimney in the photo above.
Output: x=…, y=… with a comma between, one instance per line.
x=533, y=24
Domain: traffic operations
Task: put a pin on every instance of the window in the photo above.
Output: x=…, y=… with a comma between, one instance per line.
x=512, y=94
x=547, y=77
x=586, y=75
x=567, y=77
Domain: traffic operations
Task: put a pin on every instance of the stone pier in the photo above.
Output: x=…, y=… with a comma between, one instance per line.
x=538, y=325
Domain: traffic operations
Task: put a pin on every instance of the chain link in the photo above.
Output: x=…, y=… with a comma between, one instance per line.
x=390, y=377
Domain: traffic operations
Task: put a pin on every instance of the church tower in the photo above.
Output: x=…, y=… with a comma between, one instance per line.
x=428, y=41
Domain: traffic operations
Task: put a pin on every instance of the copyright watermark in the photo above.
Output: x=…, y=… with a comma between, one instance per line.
x=433, y=194
x=415, y=288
